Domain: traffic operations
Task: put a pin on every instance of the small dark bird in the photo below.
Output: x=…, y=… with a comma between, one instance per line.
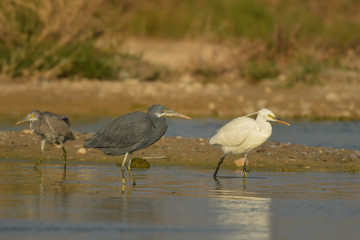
x=132, y=132
x=54, y=129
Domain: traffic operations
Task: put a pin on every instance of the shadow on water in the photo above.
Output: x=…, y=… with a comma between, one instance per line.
x=89, y=202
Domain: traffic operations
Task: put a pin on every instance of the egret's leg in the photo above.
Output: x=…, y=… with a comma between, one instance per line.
x=43, y=141
x=219, y=163
x=64, y=175
x=129, y=169
x=64, y=154
x=123, y=168
x=244, y=168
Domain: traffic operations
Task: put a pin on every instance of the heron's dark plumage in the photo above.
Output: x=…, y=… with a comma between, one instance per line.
x=132, y=132
x=52, y=127
x=129, y=133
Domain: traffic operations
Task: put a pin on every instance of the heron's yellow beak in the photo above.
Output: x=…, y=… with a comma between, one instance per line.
x=170, y=113
x=281, y=121
x=21, y=121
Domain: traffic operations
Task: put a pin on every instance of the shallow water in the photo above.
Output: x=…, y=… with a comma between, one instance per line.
x=335, y=134
x=88, y=202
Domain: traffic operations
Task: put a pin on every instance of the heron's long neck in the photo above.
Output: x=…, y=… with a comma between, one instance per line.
x=159, y=121
x=159, y=127
x=34, y=124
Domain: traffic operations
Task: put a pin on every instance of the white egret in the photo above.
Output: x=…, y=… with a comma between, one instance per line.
x=243, y=134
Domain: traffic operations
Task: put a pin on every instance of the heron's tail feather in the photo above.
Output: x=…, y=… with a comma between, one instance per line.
x=72, y=135
x=114, y=151
x=92, y=143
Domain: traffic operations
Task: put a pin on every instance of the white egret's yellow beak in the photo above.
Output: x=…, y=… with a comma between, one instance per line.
x=281, y=121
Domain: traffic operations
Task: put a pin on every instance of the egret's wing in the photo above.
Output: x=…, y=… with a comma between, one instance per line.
x=123, y=132
x=234, y=133
x=58, y=124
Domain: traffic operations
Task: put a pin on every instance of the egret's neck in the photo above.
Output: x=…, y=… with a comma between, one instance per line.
x=264, y=126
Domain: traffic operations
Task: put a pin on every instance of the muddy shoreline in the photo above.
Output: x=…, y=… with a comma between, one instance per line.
x=192, y=152
x=85, y=99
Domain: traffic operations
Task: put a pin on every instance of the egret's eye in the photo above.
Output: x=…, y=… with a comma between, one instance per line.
x=271, y=116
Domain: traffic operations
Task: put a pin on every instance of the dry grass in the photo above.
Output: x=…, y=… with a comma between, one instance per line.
x=47, y=38
x=81, y=38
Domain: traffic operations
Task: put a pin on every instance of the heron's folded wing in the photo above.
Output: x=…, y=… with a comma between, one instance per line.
x=58, y=125
x=123, y=132
x=234, y=133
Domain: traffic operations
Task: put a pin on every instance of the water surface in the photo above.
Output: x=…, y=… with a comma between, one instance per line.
x=335, y=134
x=88, y=202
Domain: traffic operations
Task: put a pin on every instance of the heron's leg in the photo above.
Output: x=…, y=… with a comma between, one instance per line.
x=64, y=154
x=129, y=169
x=43, y=141
x=123, y=168
x=219, y=163
x=244, y=168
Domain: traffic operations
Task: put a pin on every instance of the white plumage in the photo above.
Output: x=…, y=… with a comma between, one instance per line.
x=243, y=134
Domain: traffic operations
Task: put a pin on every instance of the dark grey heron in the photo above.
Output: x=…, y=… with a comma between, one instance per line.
x=132, y=132
x=54, y=129
x=243, y=134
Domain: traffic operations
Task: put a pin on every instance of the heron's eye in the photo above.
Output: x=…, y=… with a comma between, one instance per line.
x=271, y=116
x=164, y=110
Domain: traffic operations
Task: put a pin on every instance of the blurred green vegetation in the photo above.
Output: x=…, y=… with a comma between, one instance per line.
x=256, y=71
x=331, y=23
x=51, y=39
x=80, y=38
